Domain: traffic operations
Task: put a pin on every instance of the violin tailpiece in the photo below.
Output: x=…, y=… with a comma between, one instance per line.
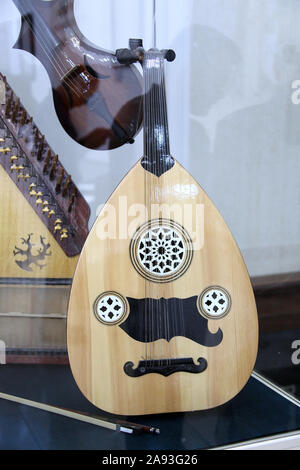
x=35, y=168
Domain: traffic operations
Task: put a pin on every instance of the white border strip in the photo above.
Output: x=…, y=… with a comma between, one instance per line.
x=285, y=441
x=275, y=388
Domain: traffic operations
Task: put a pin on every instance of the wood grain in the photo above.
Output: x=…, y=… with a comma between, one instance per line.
x=98, y=352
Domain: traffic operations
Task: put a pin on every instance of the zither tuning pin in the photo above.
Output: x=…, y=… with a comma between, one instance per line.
x=45, y=209
x=47, y=161
x=13, y=167
x=57, y=228
x=52, y=212
x=8, y=105
x=64, y=234
x=5, y=150
x=13, y=158
x=36, y=135
x=59, y=180
x=53, y=167
x=39, y=201
x=66, y=186
x=72, y=202
x=15, y=110
x=41, y=148
x=23, y=118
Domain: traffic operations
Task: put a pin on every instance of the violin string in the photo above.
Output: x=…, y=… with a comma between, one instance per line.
x=44, y=46
x=60, y=65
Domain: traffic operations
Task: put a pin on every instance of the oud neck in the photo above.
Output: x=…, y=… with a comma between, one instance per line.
x=157, y=158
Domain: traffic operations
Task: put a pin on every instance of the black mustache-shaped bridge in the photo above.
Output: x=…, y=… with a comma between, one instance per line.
x=165, y=367
x=152, y=319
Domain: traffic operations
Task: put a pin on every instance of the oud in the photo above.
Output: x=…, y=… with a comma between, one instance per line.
x=158, y=321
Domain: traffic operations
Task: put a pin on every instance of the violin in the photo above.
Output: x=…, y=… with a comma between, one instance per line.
x=97, y=100
x=162, y=316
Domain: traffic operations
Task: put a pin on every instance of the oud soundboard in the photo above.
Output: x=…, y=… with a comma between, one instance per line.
x=44, y=223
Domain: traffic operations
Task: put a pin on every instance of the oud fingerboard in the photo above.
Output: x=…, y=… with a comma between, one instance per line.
x=35, y=169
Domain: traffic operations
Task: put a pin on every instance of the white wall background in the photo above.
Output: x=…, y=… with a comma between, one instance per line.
x=232, y=122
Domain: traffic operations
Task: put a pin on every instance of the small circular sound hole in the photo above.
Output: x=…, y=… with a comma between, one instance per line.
x=110, y=308
x=214, y=302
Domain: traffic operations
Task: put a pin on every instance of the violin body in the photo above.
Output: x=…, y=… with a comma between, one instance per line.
x=123, y=364
x=97, y=100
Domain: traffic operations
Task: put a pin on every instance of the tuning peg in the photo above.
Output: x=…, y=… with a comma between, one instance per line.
x=36, y=135
x=57, y=222
x=64, y=235
x=52, y=212
x=16, y=110
x=13, y=167
x=66, y=186
x=57, y=228
x=41, y=148
x=32, y=185
x=47, y=161
x=39, y=201
x=32, y=192
x=5, y=150
x=13, y=158
x=59, y=180
x=45, y=209
x=8, y=104
x=53, y=167
x=23, y=118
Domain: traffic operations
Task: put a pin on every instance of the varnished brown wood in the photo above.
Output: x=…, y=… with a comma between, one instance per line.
x=98, y=101
x=98, y=352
